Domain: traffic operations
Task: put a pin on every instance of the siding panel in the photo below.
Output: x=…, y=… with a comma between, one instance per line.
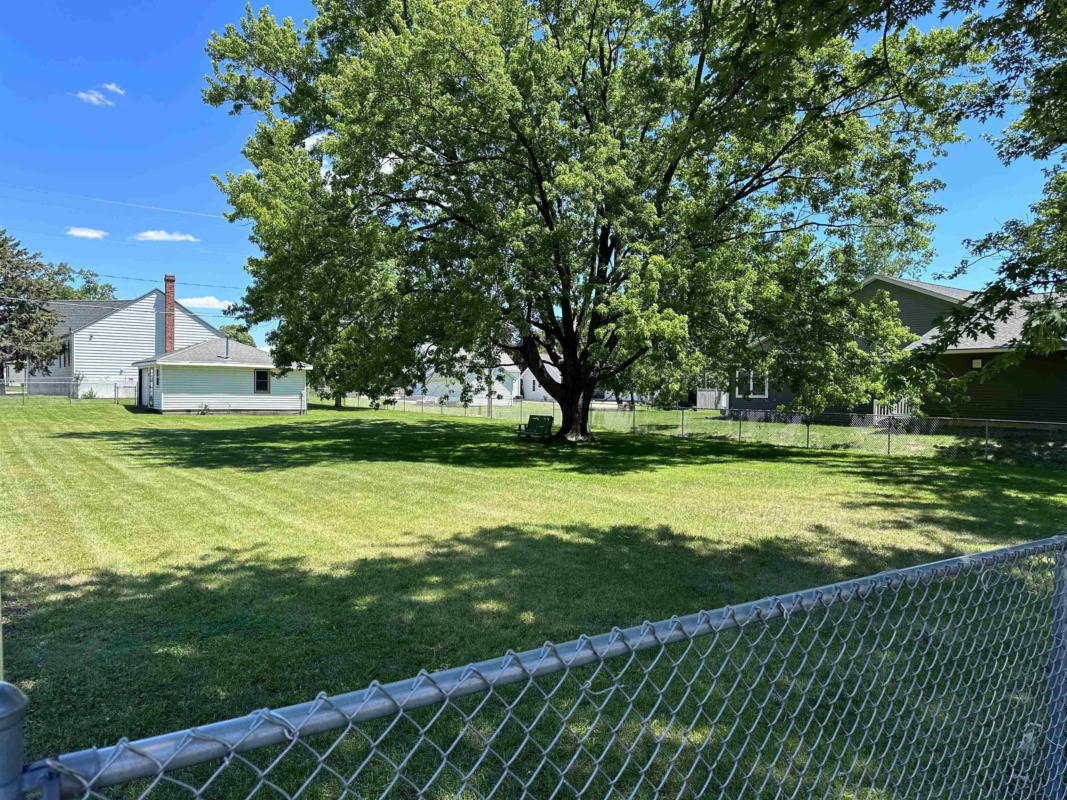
x=105, y=350
x=190, y=388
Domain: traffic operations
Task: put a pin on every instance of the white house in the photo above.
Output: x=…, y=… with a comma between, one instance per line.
x=220, y=376
x=532, y=388
x=103, y=338
x=506, y=386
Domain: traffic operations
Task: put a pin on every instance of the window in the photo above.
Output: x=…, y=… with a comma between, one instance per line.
x=159, y=377
x=262, y=379
x=976, y=363
x=752, y=384
x=535, y=384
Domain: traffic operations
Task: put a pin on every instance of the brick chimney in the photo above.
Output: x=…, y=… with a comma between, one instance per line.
x=168, y=315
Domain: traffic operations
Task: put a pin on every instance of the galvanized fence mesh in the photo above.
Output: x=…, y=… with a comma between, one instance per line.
x=38, y=390
x=951, y=438
x=947, y=680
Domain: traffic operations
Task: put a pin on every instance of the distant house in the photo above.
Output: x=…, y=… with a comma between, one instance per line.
x=505, y=386
x=103, y=338
x=532, y=389
x=1036, y=389
x=220, y=376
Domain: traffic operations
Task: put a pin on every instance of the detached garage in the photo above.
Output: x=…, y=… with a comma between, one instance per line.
x=220, y=376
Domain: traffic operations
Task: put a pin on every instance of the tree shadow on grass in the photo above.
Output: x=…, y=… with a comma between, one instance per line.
x=107, y=654
x=364, y=437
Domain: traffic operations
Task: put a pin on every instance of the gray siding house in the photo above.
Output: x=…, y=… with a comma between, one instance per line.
x=1036, y=389
x=220, y=376
x=103, y=338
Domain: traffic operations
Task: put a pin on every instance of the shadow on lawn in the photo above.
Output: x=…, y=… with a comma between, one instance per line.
x=362, y=437
x=108, y=654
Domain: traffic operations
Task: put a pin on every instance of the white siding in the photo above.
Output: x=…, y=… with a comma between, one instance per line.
x=190, y=388
x=189, y=329
x=505, y=385
x=105, y=350
x=532, y=388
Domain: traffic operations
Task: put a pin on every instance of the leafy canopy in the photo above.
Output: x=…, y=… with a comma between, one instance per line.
x=27, y=324
x=1028, y=40
x=238, y=333
x=630, y=191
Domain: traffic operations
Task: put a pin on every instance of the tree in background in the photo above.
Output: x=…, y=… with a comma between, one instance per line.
x=627, y=190
x=27, y=324
x=1028, y=41
x=239, y=333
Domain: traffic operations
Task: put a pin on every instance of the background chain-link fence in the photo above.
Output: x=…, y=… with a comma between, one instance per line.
x=46, y=389
x=1009, y=441
x=947, y=680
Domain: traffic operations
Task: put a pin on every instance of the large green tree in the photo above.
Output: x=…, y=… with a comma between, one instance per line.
x=1028, y=40
x=27, y=323
x=614, y=187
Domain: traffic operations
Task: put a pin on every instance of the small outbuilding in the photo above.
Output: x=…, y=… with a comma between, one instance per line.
x=220, y=376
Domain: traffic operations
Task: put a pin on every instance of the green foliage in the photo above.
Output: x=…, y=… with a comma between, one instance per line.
x=623, y=188
x=1028, y=42
x=27, y=325
x=238, y=333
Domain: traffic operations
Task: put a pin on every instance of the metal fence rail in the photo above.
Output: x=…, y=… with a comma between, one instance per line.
x=946, y=680
x=950, y=438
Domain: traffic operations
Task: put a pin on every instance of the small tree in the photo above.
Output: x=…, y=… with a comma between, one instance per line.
x=239, y=333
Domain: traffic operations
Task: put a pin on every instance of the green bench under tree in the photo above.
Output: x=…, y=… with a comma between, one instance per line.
x=537, y=427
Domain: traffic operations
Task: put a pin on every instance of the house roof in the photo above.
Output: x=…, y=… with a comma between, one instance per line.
x=935, y=289
x=1005, y=334
x=212, y=353
x=78, y=314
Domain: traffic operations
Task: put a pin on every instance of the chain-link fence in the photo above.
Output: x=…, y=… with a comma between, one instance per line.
x=947, y=680
x=47, y=389
x=1008, y=441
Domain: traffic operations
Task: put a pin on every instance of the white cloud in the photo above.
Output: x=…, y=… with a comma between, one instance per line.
x=94, y=97
x=114, y=87
x=86, y=233
x=164, y=236
x=205, y=302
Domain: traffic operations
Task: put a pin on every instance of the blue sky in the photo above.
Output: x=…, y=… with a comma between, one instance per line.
x=149, y=140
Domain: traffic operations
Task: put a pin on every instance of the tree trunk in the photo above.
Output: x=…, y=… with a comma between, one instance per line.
x=337, y=399
x=575, y=409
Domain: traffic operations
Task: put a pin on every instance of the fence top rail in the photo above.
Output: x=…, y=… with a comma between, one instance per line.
x=126, y=761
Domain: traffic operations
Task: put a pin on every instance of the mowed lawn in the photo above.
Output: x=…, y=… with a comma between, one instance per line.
x=162, y=572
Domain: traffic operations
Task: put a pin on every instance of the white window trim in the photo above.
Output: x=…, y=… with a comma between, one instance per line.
x=752, y=394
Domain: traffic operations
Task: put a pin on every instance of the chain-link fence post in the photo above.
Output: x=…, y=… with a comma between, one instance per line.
x=889, y=437
x=740, y=417
x=12, y=710
x=683, y=421
x=986, y=440
x=1056, y=760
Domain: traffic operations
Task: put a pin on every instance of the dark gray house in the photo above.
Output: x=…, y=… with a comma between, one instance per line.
x=1036, y=389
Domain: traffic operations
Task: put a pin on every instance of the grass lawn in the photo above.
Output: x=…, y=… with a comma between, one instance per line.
x=162, y=572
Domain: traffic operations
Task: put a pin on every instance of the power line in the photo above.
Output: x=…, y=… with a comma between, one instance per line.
x=117, y=202
x=183, y=283
x=89, y=304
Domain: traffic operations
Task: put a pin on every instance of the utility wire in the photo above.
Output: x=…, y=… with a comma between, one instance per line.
x=90, y=304
x=184, y=283
x=116, y=202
